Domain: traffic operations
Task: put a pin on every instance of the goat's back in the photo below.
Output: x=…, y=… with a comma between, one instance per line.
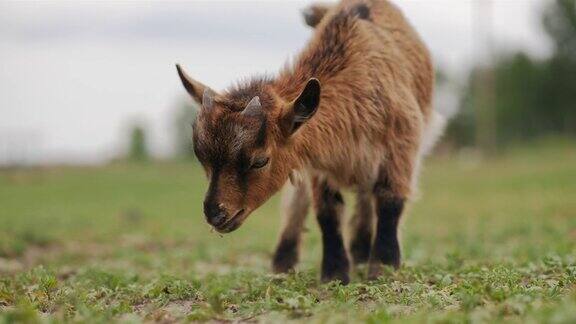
x=377, y=81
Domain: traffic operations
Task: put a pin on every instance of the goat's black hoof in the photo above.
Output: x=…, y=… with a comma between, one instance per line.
x=377, y=268
x=341, y=276
x=285, y=257
x=360, y=249
x=337, y=269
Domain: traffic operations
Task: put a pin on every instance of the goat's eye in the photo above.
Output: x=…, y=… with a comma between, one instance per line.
x=259, y=163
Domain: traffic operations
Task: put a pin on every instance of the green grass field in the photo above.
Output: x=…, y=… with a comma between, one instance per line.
x=487, y=241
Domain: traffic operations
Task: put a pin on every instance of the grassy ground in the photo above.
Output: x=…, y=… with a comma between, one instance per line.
x=488, y=241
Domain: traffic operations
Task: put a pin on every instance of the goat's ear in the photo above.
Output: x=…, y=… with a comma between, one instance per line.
x=301, y=109
x=196, y=89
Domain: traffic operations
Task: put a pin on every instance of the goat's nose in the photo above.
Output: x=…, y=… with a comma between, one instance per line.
x=214, y=214
x=217, y=219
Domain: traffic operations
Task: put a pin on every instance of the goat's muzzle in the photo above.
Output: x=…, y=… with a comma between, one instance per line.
x=232, y=223
x=221, y=220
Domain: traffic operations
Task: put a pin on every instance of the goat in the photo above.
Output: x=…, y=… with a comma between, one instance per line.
x=354, y=110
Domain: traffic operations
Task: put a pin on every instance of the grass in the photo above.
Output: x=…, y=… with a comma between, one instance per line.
x=488, y=241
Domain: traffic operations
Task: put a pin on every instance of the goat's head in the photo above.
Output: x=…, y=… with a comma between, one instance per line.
x=244, y=140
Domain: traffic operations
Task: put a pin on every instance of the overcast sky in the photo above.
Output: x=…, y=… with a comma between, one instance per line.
x=74, y=75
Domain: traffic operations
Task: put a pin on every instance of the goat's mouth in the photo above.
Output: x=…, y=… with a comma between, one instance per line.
x=233, y=223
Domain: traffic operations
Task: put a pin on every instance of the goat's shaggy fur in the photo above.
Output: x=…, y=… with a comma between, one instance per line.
x=363, y=123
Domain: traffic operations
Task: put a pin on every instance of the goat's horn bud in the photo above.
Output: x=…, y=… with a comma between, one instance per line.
x=254, y=108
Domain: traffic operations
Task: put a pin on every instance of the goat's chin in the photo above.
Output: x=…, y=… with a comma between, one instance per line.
x=228, y=229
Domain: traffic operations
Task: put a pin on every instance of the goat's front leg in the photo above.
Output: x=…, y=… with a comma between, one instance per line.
x=295, y=203
x=329, y=207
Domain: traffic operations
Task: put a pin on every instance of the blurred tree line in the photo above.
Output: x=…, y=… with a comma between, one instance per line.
x=183, y=114
x=138, y=150
x=531, y=98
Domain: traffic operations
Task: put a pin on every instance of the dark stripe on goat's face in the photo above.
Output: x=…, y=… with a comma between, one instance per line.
x=261, y=135
x=242, y=170
x=212, y=193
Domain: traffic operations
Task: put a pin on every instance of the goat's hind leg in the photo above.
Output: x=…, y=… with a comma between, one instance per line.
x=394, y=184
x=295, y=205
x=390, y=197
x=361, y=227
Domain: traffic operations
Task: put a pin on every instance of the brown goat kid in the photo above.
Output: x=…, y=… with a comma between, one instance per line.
x=353, y=111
